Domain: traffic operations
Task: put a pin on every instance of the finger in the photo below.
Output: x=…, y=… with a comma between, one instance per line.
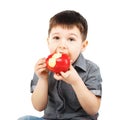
x=65, y=74
x=40, y=64
x=71, y=61
x=41, y=61
x=40, y=71
x=57, y=76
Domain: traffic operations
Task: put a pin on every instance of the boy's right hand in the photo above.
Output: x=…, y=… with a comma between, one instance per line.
x=40, y=69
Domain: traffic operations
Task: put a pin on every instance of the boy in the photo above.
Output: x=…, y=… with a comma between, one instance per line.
x=71, y=95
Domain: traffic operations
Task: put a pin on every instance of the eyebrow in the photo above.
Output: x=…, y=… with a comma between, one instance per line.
x=74, y=34
x=68, y=34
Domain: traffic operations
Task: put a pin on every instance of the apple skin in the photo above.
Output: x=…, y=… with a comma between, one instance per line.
x=62, y=63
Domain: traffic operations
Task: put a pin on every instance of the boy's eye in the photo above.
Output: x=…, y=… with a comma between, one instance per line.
x=56, y=37
x=71, y=39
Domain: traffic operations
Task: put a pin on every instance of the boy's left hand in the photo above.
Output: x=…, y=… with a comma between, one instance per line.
x=70, y=77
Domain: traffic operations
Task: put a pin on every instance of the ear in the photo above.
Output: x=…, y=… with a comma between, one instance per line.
x=84, y=45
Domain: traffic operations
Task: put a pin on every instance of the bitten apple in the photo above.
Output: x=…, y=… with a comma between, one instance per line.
x=58, y=62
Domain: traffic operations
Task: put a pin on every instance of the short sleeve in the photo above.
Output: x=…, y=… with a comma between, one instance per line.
x=33, y=83
x=94, y=81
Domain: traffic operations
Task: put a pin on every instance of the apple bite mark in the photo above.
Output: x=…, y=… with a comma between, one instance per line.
x=57, y=55
x=52, y=61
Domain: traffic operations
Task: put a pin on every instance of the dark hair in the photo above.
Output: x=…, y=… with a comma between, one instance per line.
x=69, y=19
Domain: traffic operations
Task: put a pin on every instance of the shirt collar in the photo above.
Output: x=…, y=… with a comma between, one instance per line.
x=80, y=63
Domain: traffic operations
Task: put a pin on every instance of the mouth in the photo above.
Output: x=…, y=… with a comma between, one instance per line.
x=62, y=52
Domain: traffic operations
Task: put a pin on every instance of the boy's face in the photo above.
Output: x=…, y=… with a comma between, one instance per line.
x=67, y=41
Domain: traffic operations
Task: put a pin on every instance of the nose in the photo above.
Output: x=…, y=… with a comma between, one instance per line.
x=63, y=44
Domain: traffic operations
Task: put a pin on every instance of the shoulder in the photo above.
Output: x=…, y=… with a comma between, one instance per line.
x=93, y=71
x=91, y=65
x=85, y=64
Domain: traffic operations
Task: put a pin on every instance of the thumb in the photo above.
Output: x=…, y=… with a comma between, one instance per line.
x=65, y=74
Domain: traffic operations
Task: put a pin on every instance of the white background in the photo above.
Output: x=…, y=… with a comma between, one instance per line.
x=23, y=33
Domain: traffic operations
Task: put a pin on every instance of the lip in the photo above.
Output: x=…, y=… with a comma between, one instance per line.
x=63, y=52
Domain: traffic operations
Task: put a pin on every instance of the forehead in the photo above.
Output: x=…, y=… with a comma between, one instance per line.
x=62, y=29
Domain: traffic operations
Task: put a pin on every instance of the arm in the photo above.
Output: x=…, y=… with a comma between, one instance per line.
x=89, y=102
x=40, y=95
x=87, y=99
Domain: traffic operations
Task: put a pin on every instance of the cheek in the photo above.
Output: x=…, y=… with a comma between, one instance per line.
x=74, y=54
x=73, y=57
x=51, y=48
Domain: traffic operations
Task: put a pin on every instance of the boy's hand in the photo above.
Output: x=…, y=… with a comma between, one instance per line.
x=40, y=69
x=70, y=77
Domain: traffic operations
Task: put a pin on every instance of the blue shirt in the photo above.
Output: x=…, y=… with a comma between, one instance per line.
x=62, y=100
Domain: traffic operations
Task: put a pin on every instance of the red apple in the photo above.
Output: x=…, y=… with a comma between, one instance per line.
x=58, y=62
